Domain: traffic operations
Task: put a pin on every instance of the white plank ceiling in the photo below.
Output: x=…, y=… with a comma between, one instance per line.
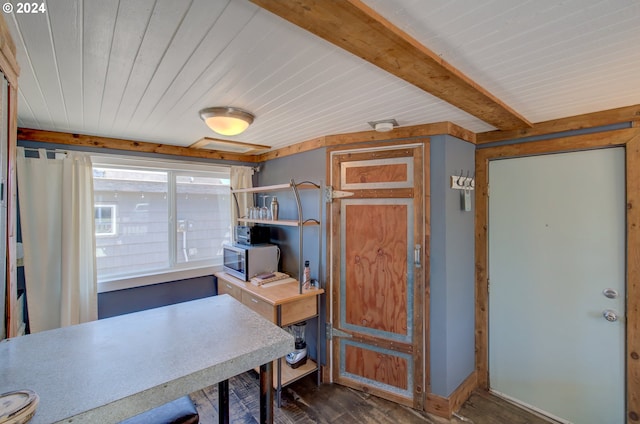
x=141, y=69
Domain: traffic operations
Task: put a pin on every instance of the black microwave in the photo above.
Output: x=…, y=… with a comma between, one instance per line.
x=247, y=261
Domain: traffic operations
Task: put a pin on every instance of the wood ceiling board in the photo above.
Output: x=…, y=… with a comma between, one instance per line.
x=547, y=59
x=234, y=78
x=277, y=80
x=293, y=81
x=66, y=32
x=164, y=21
x=287, y=67
x=552, y=34
x=190, y=33
x=350, y=77
x=322, y=90
x=26, y=113
x=34, y=111
x=594, y=67
x=358, y=29
x=39, y=68
x=127, y=39
x=366, y=96
x=324, y=79
x=99, y=21
x=246, y=53
x=214, y=58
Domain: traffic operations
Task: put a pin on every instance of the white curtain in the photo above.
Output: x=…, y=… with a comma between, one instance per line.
x=241, y=177
x=57, y=222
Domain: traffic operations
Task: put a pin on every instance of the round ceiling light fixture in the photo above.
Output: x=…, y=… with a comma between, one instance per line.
x=227, y=120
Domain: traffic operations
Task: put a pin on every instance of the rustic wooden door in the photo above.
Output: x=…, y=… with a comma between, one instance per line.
x=377, y=271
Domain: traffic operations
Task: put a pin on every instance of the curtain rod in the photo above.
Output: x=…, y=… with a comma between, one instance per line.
x=37, y=149
x=256, y=168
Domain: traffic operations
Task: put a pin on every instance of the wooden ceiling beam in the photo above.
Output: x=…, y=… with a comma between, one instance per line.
x=588, y=120
x=355, y=27
x=8, y=62
x=93, y=141
x=400, y=133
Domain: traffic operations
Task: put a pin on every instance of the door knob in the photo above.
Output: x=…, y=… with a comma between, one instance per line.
x=610, y=315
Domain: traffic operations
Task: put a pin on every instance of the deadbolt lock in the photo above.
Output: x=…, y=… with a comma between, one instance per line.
x=610, y=315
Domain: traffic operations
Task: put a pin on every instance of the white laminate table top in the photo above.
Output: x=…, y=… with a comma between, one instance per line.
x=107, y=370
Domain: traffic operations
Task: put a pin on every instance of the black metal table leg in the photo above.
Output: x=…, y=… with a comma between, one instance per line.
x=266, y=393
x=223, y=402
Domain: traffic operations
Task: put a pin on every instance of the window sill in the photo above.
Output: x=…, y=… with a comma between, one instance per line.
x=165, y=277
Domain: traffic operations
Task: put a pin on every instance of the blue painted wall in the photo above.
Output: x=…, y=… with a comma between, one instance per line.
x=452, y=281
x=136, y=299
x=307, y=166
x=452, y=252
x=452, y=258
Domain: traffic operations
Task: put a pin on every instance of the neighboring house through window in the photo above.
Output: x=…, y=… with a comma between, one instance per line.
x=155, y=216
x=105, y=216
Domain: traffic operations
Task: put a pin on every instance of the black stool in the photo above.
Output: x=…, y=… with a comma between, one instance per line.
x=180, y=411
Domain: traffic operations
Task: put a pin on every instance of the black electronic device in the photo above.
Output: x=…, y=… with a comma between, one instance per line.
x=252, y=235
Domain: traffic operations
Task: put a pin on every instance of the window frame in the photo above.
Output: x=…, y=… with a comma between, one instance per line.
x=175, y=271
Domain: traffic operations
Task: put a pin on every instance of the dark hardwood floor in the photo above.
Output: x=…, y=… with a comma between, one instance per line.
x=304, y=402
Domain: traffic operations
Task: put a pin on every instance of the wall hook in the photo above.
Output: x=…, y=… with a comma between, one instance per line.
x=463, y=181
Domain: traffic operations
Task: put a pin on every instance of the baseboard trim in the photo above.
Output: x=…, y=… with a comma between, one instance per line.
x=445, y=407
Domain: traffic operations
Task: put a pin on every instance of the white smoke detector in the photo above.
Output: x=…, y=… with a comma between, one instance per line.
x=384, y=125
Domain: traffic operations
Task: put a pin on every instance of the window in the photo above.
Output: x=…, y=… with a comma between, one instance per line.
x=105, y=216
x=158, y=216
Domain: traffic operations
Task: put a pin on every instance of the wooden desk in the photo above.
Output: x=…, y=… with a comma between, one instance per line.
x=283, y=305
x=267, y=301
x=108, y=370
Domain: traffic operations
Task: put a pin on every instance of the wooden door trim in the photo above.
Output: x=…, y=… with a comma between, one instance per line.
x=446, y=406
x=11, y=70
x=421, y=178
x=630, y=140
x=421, y=282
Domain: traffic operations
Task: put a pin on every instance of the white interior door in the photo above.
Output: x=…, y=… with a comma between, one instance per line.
x=556, y=241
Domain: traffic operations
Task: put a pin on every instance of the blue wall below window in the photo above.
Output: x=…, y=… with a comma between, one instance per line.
x=136, y=299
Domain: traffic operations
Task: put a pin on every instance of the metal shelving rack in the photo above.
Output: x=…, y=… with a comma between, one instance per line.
x=300, y=223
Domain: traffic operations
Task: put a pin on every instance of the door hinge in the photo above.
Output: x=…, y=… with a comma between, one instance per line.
x=334, y=332
x=330, y=194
